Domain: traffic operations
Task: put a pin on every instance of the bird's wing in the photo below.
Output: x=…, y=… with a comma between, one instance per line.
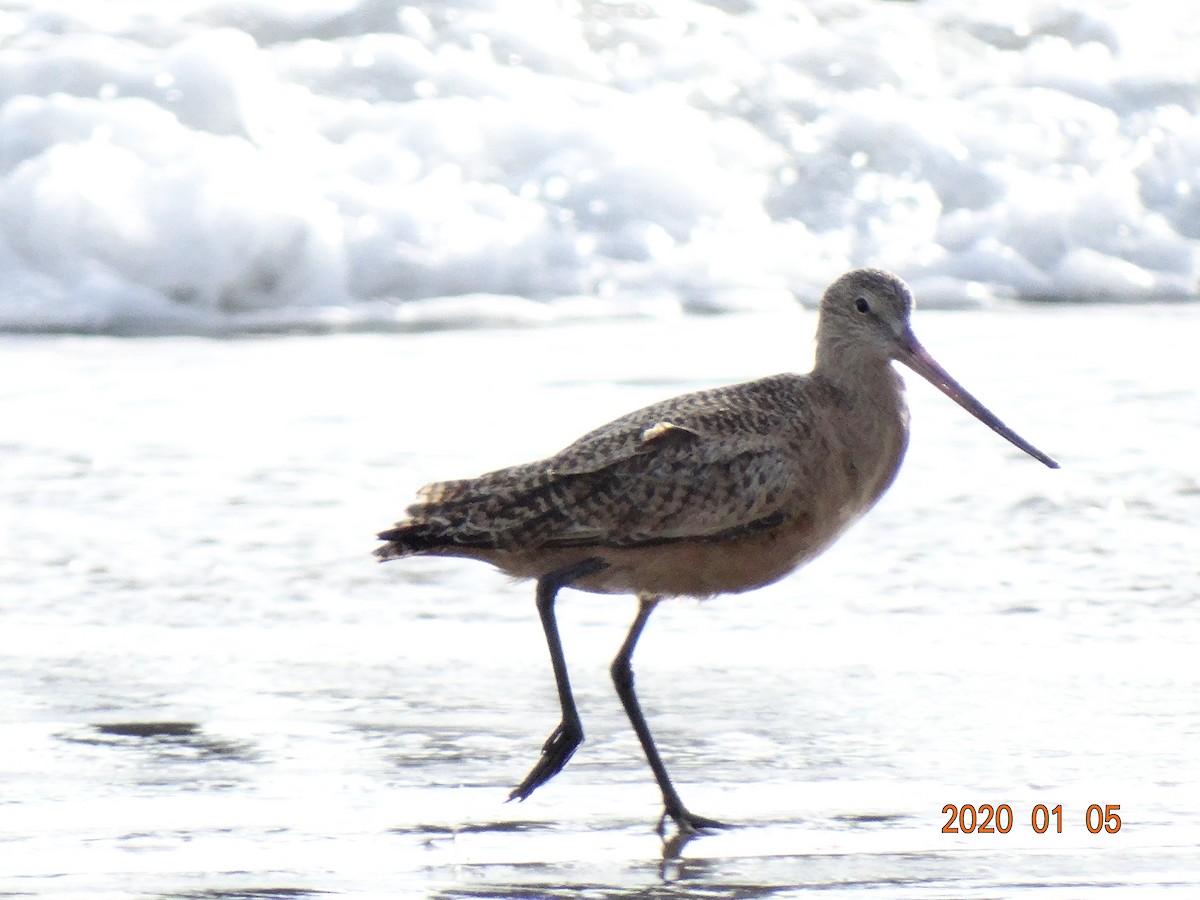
x=643, y=479
x=679, y=482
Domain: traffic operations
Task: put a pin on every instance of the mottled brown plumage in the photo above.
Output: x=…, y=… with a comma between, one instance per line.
x=712, y=492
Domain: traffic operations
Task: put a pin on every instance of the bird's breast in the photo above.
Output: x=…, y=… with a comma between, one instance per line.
x=867, y=443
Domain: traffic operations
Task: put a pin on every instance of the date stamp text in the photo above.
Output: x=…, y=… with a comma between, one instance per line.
x=984, y=818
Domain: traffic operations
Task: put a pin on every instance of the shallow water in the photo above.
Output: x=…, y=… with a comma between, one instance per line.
x=210, y=690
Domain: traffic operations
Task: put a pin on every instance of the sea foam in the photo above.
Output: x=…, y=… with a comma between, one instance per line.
x=210, y=167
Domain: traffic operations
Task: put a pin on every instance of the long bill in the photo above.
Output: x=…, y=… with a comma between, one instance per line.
x=918, y=359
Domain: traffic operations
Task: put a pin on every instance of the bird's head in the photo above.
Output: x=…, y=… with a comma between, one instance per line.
x=865, y=317
x=864, y=323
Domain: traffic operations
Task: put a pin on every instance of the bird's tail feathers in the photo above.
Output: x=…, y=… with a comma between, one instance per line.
x=409, y=539
x=435, y=528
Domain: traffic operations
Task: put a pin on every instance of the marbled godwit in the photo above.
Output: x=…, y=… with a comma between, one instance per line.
x=713, y=492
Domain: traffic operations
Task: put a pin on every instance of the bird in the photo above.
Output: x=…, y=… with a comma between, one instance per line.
x=712, y=492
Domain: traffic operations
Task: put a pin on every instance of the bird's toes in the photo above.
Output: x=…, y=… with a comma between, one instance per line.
x=556, y=753
x=688, y=822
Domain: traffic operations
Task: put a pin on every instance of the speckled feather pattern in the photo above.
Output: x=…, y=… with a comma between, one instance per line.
x=706, y=465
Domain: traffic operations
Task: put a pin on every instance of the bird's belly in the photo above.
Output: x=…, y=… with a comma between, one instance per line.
x=696, y=568
x=704, y=569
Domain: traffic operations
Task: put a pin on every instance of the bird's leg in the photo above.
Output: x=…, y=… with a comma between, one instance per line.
x=562, y=743
x=622, y=675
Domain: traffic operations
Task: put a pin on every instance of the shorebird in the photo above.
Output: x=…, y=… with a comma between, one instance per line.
x=713, y=492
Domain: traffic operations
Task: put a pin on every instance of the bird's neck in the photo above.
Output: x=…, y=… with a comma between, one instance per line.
x=857, y=374
x=873, y=424
x=871, y=392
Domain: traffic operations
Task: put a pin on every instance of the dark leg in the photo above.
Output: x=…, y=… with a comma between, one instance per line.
x=559, y=747
x=622, y=675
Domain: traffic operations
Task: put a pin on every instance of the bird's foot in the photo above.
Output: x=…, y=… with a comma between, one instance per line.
x=688, y=823
x=556, y=753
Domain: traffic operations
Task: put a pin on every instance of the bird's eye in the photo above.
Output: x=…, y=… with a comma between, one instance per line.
x=862, y=305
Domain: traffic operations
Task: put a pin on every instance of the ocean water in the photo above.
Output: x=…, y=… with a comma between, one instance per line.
x=206, y=166
x=210, y=690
